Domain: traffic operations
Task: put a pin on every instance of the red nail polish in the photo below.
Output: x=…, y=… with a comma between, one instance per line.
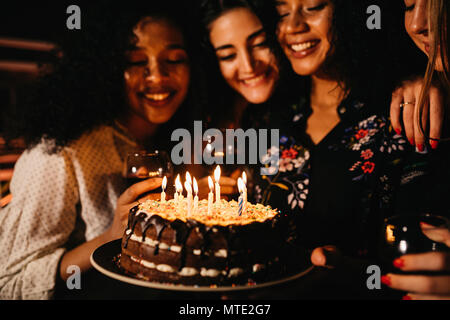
x=420, y=147
x=399, y=263
x=406, y=297
x=398, y=131
x=434, y=144
x=411, y=141
x=386, y=280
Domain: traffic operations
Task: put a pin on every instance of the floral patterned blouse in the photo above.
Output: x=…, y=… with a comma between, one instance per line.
x=340, y=190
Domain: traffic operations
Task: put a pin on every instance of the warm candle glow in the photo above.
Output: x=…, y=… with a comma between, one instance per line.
x=178, y=185
x=217, y=174
x=188, y=187
x=244, y=177
x=188, y=177
x=240, y=184
x=195, y=186
x=164, y=183
x=217, y=178
x=211, y=184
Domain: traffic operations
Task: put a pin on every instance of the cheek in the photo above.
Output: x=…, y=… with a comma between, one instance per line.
x=228, y=70
x=181, y=76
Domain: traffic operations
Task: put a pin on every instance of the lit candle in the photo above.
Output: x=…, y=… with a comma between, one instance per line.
x=177, y=188
x=179, y=192
x=163, y=193
x=217, y=178
x=188, y=178
x=196, y=196
x=188, y=188
x=241, y=197
x=210, y=195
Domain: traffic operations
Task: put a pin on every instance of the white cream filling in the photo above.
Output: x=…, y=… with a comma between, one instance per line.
x=221, y=253
x=189, y=271
x=154, y=243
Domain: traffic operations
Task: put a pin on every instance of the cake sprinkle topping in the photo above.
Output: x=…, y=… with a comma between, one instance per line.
x=223, y=213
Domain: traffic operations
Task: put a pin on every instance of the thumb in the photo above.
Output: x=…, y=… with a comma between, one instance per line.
x=327, y=256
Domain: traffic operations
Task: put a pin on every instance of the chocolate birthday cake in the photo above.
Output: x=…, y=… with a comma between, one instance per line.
x=207, y=247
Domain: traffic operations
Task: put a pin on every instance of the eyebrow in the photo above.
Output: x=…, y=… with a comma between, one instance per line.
x=250, y=37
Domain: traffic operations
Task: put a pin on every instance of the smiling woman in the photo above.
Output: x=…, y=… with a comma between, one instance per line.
x=247, y=63
x=122, y=85
x=158, y=73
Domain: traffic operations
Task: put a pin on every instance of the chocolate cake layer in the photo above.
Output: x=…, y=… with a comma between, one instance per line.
x=194, y=253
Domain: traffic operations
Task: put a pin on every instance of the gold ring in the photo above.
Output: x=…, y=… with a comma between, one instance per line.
x=405, y=103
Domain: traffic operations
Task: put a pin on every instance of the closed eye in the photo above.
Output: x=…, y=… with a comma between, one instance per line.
x=318, y=8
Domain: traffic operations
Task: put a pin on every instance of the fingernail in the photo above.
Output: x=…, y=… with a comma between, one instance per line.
x=406, y=297
x=420, y=147
x=386, y=280
x=411, y=141
x=434, y=144
x=398, y=131
x=399, y=263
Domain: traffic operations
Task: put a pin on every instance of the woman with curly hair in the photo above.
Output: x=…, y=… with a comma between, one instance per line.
x=122, y=86
x=342, y=166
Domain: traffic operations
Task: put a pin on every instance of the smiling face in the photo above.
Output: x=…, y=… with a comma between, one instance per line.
x=158, y=73
x=304, y=33
x=417, y=27
x=246, y=62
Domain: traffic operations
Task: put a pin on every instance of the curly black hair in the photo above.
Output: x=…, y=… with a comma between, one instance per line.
x=86, y=87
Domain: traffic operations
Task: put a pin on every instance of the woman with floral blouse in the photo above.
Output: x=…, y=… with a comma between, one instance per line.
x=342, y=167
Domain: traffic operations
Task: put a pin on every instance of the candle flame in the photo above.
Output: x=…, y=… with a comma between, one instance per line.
x=195, y=186
x=217, y=174
x=211, y=184
x=188, y=177
x=164, y=183
x=244, y=177
x=178, y=184
x=188, y=186
x=240, y=184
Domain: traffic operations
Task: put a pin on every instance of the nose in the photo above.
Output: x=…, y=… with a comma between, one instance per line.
x=419, y=21
x=154, y=72
x=295, y=23
x=246, y=62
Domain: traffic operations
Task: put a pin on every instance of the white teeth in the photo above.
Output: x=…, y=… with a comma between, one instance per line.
x=302, y=46
x=157, y=96
x=254, y=80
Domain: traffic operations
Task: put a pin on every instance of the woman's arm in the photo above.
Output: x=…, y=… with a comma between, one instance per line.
x=80, y=256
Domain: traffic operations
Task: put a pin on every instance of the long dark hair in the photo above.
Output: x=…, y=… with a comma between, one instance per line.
x=86, y=87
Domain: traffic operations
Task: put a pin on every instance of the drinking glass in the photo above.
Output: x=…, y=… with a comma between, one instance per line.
x=403, y=235
x=148, y=164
